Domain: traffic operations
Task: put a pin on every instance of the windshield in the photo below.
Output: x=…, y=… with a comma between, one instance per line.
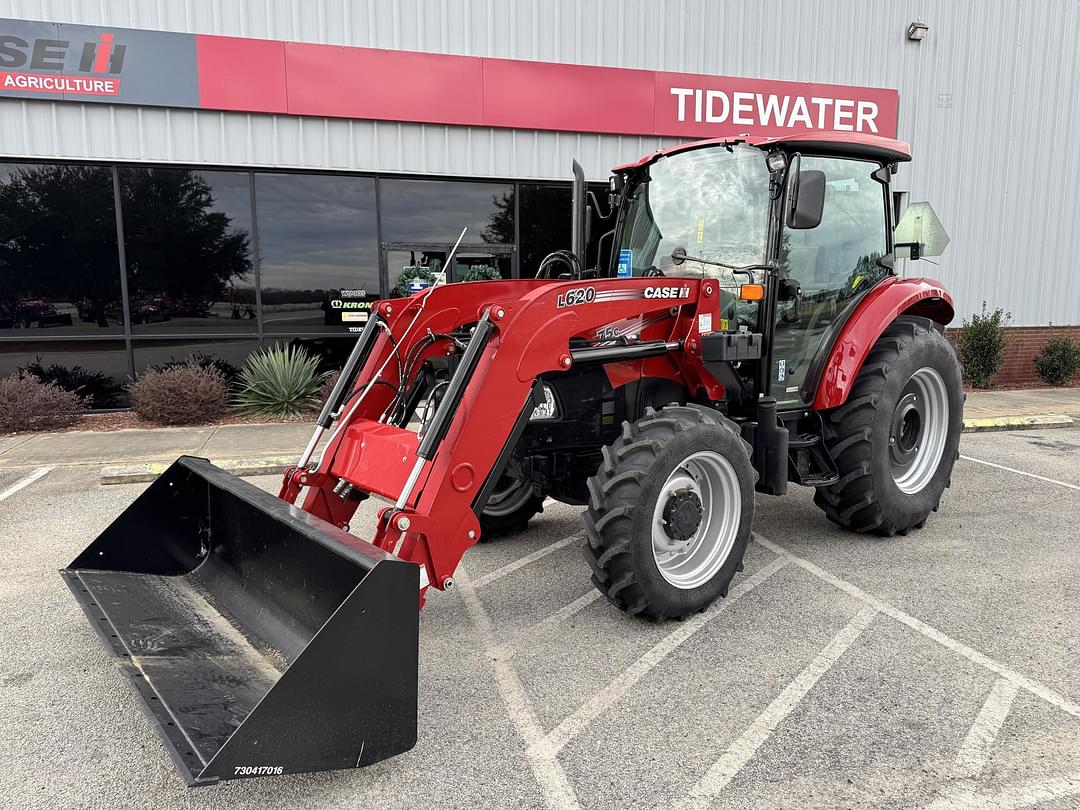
x=713, y=203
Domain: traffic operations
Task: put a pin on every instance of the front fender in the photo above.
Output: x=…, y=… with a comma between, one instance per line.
x=881, y=306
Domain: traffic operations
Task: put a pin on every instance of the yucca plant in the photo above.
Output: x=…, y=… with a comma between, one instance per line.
x=279, y=381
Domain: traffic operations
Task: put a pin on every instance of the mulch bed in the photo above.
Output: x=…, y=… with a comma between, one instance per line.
x=124, y=420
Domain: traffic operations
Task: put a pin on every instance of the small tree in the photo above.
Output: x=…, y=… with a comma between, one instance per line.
x=981, y=344
x=1058, y=361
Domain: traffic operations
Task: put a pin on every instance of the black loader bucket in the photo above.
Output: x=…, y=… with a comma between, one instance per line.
x=261, y=639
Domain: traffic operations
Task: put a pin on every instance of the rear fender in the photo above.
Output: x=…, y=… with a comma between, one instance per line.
x=881, y=306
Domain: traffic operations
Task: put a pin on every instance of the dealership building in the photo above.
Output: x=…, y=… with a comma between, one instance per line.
x=208, y=177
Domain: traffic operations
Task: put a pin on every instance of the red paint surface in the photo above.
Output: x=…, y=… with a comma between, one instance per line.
x=241, y=74
x=335, y=81
x=892, y=297
x=547, y=95
x=368, y=83
x=101, y=60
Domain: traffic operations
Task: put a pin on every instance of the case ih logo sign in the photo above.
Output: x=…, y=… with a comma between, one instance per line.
x=65, y=62
x=39, y=64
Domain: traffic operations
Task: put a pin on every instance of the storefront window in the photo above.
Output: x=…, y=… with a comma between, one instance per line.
x=94, y=369
x=228, y=354
x=422, y=219
x=545, y=211
x=437, y=210
x=319, y=254
x=189, y=250
x=59, y=271
x=545, y=223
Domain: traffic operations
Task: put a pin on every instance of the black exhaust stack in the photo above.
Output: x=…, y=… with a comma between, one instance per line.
x=261, y=639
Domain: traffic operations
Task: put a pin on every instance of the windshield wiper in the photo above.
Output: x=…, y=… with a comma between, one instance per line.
x=679, y=255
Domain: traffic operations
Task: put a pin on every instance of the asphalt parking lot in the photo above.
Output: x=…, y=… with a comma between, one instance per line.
x=940, y=669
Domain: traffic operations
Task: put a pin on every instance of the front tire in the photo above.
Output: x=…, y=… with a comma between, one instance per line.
x=510, y=507
x=669, y=512
x=897, y=437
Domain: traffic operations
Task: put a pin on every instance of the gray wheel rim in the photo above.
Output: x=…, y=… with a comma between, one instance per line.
x=510, y=495
x=918, y=431
x=692, y=563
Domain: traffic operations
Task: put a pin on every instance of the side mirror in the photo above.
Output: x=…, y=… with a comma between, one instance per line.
x=807, y=198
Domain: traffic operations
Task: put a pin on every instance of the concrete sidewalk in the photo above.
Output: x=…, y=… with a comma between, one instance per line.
x=1023, y=409
x=140, y=455
x=129, y=456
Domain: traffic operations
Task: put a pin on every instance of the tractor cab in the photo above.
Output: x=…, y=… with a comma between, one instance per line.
x=796, y=230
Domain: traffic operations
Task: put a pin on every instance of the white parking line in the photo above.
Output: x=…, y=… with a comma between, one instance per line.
x=741, y=751
x=509, y=568
x=550, y=776
x=41, y=472
x=1022, y=472
x=577, y=722
x=962, y=796
x=975, y=750
x=932, y=633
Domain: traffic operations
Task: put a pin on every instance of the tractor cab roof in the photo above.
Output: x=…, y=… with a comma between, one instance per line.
x=851, y=144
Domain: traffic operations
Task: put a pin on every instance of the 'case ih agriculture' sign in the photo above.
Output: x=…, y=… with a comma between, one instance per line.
x=59, y=61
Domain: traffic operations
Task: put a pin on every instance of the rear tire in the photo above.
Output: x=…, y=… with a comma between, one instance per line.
x=669, y=512
x=897, y=437
x=509, y=509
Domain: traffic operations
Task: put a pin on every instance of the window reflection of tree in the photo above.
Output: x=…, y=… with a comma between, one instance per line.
x=57, y=244
x=182, y=255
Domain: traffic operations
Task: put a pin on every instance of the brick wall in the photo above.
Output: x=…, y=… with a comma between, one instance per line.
x=1025, y=342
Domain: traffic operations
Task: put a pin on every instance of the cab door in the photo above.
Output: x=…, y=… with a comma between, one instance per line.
x=829, y=265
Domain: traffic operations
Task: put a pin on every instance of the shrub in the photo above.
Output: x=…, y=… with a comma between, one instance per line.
x=98, y=389
x=1058, y=361
x=27, y=403
x=327, y=387
x=227, y=370
x=279, y=381
x=187, y=394
x=981, y=344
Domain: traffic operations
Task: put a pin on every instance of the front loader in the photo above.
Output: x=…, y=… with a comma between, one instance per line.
x=749, y=332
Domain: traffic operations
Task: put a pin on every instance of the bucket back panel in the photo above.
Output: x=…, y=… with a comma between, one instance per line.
x=255, y=620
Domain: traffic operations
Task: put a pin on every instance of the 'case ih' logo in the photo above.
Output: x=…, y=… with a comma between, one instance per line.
x=45, y=65
x=667, y=292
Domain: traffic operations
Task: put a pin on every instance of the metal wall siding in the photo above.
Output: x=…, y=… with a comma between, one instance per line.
x=989, y=75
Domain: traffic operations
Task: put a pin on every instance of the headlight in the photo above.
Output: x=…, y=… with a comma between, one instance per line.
x=548, y=410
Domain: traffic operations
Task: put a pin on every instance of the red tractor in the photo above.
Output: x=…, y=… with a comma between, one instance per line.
x=749, y=333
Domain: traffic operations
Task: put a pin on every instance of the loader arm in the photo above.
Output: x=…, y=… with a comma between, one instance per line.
x=519, y=331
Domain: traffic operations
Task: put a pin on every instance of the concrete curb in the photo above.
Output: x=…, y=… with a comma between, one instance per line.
x=990, y=423
x=142, y=473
